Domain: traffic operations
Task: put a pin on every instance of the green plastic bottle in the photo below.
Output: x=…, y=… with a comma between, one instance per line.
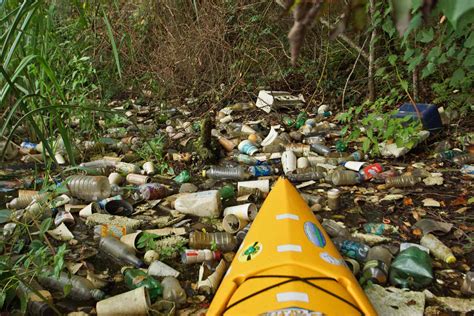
x=183, y=177
x=135, y=278
x=301, y=119
x=412, y=269
x=227, y=192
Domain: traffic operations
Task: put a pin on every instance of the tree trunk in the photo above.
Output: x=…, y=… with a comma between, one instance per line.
x=415, y=84
x=372, y=52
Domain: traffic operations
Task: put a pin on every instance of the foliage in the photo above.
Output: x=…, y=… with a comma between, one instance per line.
x=147, y=241
x=376, y=126
x=152, y=150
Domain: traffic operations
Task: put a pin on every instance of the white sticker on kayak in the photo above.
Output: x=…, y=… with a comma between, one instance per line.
x=292, y=296
x=330, y=259
x=287, y=216
x=285, y=248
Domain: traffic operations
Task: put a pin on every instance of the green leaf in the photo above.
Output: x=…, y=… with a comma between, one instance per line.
x=428, y=70
x=67, y=289
x=415, y=62
x=392, y=59
x=458, y=77
x=469, y=42
x=404, y=85
x=426, y=36
x=5, y=216
x=469, y=61
x=434, y=54
x=454, y=10
x=3, y=296
x=408, y=53
x=112, y=42
x=366, y=145
x=45, y=224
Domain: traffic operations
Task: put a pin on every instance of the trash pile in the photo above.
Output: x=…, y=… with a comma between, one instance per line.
x=141, y=242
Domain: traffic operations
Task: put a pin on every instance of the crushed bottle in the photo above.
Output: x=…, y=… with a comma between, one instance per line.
x=222, y=240
x=402, y=181
x=81, y=289
x=437, y=248
x=172, y=290
x=345, y=177
x=228, y=173
x=89, y=188
x=411, y=269
x=120, y=251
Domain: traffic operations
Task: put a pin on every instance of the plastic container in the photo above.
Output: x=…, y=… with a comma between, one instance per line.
x=190, y=256
x=334, y=229
x=116, y=231
x=120, y=251
x=89, y=188
x=411, y=269
x=126, y=168
x=247, y=147
x=352, y=249
x=203, y=204
x=300, y=149
x=172, y=290
x=222, y=240
x=135, y=278
x=464, y=159
x=81, y=288
x=153, y=191
x=429, y=115
x=379, y=228
x=370, y=171
x=345, y=177
x=135, y=302
x=376, y=268
x=226, y=173
x=320, y=149
x=24, y=201
x=334, y=199
x=402, y=181
x=245, y=159
x=307, y=176
x=437, y=248
x=262, y=170
x=288, y=161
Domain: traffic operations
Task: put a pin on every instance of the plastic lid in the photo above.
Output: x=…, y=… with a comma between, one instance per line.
x=334, y=193
x=450, y=259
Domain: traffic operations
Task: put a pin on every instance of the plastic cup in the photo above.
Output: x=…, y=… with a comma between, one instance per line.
x=246, y=212
x=233, y=224
x=135, y=302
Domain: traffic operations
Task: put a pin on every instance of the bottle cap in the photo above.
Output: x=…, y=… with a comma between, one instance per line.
x=123, y=269
x=204, y=173
x=450, y=259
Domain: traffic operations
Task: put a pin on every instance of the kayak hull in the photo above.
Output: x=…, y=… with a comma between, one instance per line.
x=288, y=263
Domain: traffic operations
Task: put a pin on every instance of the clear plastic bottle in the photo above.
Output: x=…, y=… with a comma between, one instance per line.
x=190, y=256
x=334, y=229
x=99, y=164
x=345, y=177
x=223, y=240
x=229, y=173
x=464, y=159
x=262, y=170
x=126, y=168
x=172, y=290
x=81, y=288
x=246, y=159
x=320, y=149
x=402, y=181
x=437, y=248
x=24, y=201
x=89, y=188
x=352, y=249
x=227, y=144
x=307, y=176
x=120, y=251
x=376, y=268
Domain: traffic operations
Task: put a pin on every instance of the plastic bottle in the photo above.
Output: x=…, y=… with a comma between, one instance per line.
x=227, y=144
x=153, y=191
x=437, y=248
x=172, y=290
x=320, y=149
x=222, y=240
x=245, y=159
x=262, y=170
x=467, y=287
x=36, y=306
x=334, y=199
x=242, y=233
x=228, y=173
x=120, y=251
x=345, y=177
x=334, y=229
x=116, y=231
x=307, y=176
x=379, y=228
x=81, y=288
x=464, y=159
x=135, y=278
x=102, y=163
x=301, y=149
x=24, y=201
x=89, y=188
x=376, y=268
x=411, y=269
x=301, y=119
x=190, y=256
x=368, y=172
x=288, y=161
x=449, y=154
x=352, y=249
x=126, y=168
x=402, y=181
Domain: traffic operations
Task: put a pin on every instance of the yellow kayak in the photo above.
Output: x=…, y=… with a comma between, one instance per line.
x=287, y=265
